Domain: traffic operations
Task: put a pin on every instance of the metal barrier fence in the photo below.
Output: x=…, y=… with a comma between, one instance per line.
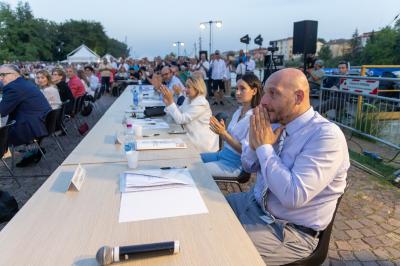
x=355, y=103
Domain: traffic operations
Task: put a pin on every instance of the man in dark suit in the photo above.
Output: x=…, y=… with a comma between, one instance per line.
x=25, y=103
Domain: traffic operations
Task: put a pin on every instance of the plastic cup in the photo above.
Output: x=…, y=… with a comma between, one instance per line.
x=132, y=156
x=138, y=131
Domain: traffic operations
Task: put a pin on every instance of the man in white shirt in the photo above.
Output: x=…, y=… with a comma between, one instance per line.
x=93, y=80
x=204, y=66
x=218, y=75
x=250, y=63
x=301, y=163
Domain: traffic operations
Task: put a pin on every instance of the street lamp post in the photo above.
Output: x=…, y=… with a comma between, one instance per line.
x=218, y=23
x=178, y=44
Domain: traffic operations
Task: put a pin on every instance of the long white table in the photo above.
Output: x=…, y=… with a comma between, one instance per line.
x=67, y=228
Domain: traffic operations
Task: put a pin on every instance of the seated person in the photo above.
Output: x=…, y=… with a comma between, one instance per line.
x=94, y=83
x=194, y=114
x=315, y=75
x=226, y=162
x=43, y=80
x=23, y=102
x=301, y=164
x=58, y=78
x=75, y=84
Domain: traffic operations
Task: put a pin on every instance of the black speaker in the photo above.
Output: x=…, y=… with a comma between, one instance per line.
x=305, y=37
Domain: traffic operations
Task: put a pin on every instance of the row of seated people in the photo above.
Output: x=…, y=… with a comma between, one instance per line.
x=28, y=103
x=299, y=157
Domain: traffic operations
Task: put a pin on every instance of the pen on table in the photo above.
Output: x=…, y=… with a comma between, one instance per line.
x=151, y=135
x=172, y=167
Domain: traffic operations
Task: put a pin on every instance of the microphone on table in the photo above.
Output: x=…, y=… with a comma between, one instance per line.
x=107, y=255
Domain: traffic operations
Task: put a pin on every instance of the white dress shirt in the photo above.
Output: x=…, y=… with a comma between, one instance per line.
x=218, y=69
x=308, y=177
x=195, y=116
x=203, y=67
x=250, y=65
x=239, y=129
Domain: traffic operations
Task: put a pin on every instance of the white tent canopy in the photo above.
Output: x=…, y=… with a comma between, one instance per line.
x=82, y=54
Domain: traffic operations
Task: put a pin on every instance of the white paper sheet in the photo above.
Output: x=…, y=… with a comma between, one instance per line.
x=163, y=203
x=149, y=123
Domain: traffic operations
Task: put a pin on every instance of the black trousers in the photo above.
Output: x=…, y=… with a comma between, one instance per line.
x=105, y=84
x=218, y=84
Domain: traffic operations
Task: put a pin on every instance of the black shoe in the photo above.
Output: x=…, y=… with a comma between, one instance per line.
x=38, y=156
x=215, y=103
x=221, y=102
x=26, y=161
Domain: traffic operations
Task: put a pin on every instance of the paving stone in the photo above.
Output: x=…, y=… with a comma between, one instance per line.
x=341, y=235
x=354, y=233
x=347, y=255
x=365, y=255
x=374, y=242
x=394, y=222
x=388, y=227
x=343, y=245
x=341, y=225
x=377, y=218
x=394, y=252
x=395, y=237
x=332, y=254
x=370, y=263
x=385, y=263
x=386, y=240
x=382, y=253
x=367, y=221
x=358, y=244
x=354, y=224
x=367, y=232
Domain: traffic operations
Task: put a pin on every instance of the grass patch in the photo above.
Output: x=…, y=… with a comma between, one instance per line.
x=380, y=167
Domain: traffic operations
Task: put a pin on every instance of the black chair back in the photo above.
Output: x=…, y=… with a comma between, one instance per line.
x=4, y=137
x=51, y=120
x=61, y=116
x=78, y=104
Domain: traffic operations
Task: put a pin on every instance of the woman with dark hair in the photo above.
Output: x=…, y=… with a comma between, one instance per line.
x=226, y=162
x=58, y=77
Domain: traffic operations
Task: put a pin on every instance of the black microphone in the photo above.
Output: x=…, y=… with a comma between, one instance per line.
x=107, y=255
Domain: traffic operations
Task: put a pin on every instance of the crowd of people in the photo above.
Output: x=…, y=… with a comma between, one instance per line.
x=299, y=157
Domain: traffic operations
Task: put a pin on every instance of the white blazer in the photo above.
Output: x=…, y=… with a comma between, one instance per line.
x=195, y=116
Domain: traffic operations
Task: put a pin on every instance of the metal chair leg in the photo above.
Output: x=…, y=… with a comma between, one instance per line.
x=11, y=173
x=54, y=137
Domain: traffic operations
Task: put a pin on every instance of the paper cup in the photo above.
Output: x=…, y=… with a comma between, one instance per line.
x=132, y=157
x=138, y=131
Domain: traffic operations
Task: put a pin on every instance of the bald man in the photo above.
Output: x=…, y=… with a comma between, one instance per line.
x=301, y=160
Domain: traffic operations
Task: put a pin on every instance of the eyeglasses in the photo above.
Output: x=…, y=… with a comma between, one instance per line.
x=2, y=75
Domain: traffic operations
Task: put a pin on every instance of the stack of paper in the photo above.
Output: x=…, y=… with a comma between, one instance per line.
x=148, y=180
x=177, y=196
x=160, y=144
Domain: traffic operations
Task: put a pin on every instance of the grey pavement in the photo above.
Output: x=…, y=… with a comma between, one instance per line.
x=366, y=229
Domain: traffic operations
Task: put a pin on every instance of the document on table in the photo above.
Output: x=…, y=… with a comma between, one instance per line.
x=149, y=123
x=160, y=144
x=184, y=199
x=145, y=180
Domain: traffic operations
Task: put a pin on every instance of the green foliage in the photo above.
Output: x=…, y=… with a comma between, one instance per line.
x=325, y=53
x=383, y=48
x=25, y=38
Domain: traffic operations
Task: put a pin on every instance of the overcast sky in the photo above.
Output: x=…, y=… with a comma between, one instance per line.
x=152, y=26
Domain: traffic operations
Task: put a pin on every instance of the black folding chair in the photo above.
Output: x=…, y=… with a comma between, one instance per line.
x=4, y=147
x=52, y=119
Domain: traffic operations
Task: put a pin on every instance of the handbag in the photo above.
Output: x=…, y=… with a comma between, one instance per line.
x=154, y=111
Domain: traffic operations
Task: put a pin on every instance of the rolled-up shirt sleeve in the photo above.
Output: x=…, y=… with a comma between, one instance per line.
x=313, y=169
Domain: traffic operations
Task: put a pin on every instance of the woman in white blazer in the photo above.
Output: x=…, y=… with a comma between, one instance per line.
x=43, y=80
x=194, y=114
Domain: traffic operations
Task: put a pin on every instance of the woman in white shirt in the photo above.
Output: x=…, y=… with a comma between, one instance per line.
x=226, y=162
x=43, y=80
x=194, y=114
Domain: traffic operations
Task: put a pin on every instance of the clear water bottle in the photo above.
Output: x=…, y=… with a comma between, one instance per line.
x=129, y=143
x=135, y=99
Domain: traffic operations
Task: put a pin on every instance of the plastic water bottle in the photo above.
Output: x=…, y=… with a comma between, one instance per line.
x=135, y=98
x=129, y=143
